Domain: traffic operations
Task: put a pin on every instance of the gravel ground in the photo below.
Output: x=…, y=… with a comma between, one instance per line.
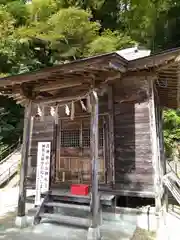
x=122, y=228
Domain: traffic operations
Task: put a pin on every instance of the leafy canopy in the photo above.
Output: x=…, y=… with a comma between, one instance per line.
x=46, y=32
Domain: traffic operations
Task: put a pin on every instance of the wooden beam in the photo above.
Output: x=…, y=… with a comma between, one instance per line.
x=59, y=70
x=94, y=158
x=137, y=75
x=60, y=99
x=111, y=134
x=57, y=85
x=24, y=160
x=154, y=61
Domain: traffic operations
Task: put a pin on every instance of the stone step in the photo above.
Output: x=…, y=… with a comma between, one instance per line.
x=69, y=220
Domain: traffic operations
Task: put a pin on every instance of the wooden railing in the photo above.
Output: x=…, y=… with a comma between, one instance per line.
x=9, y=165
x=6, y=175
x=172, y=182
x=7, y=151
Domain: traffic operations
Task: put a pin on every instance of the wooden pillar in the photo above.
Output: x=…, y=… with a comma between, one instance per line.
x=111, y=135
x=163, y=159
x=94, y=158
x=29, y=167
x=155, y=149
x=24, y=160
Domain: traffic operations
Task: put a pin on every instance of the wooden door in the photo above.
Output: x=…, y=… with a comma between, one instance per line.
x=73, y=161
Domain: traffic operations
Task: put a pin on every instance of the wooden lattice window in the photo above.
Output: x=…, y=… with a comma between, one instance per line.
x=72, y=138
x=86, y=139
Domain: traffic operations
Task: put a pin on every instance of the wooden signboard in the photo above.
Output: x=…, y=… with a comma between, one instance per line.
x=42, y=170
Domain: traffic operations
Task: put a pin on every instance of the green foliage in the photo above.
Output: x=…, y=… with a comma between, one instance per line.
x=171, y=130
x=41, y=10
x=18, y=11
x=69, y=34
x=74, y=32
x=11, y=121
x=44, y=33
x=47, y=32
x=108, y=42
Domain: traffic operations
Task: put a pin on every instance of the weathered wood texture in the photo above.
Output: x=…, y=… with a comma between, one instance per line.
x=133, y=169
x=133, y=155
x=94, y=158
x=159, y=162
x=72, y=148
x=111, y=176
x=21, y=210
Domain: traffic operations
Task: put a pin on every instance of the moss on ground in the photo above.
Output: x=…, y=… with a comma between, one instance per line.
x=141, y=234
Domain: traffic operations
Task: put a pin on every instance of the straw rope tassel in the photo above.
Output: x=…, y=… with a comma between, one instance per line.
x=89, y=104
x=72, y=110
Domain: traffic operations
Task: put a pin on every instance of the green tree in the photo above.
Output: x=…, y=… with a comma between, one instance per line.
x=47, y=32
x=77, y=36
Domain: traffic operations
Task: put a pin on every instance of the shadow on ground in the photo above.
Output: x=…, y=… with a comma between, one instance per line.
x=113, y=230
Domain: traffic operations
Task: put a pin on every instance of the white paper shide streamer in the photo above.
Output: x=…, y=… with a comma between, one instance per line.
x=83, y=105
x=40, y=112
x=54, y=113
x=67, y=110
x=85, y=102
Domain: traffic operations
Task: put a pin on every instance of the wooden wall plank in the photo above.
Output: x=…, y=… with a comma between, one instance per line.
x=133, y=154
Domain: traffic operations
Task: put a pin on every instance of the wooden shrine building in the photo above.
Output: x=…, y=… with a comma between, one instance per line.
x=103, y=118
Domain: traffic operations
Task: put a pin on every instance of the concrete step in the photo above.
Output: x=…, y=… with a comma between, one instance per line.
x=67, y=220
x=67, y=205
